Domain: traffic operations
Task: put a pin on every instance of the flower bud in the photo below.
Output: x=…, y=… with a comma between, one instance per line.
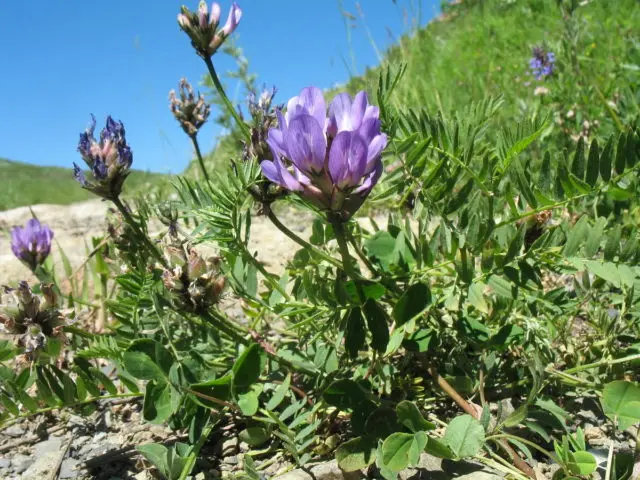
x=202, y=27
x=197, y=266
x=190, y=111
x=109, y=159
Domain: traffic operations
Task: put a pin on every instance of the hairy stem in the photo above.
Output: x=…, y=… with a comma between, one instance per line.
x=304, y=244
x=131, y=221
x=225, y=99
x=196, y=146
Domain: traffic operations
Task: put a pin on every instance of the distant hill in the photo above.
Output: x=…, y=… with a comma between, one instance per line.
x=26, y=184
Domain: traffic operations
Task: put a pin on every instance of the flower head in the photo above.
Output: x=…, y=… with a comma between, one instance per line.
x=542, y=63
x=32, y=319
x=196, y=283
x=332, y=161
x=190, y=110
x=202, y=26
x=109, y=159
x=32, y=243
x=263, y=116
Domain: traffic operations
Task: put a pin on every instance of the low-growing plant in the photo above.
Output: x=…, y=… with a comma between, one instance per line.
x=471, y=321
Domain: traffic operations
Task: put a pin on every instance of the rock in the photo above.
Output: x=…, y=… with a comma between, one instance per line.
x=14, y=431
x=19, y=463
x=69, y=468
x=323, y=471
x=44, y=465
x=5, y=463
x=53, y=445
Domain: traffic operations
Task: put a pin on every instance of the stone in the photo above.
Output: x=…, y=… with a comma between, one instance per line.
x=69, y=469
x=53, y=445
x=14, y=431
x=5, y=463
x=19, y=462
x=44, y=465
x=323, y=471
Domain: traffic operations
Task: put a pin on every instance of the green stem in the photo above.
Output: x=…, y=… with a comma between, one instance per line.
x=341, y=238
x=225, y=99
x=603, y=362
x=304, y=244
x=70, y=405
x=533, y=445
x=130, y=220
x=196, y=146
x=193, y=456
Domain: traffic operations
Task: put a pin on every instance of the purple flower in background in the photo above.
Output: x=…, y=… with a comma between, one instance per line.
x=202, y=26
x=109, y=159
x=542, y=63
x=332, y=161
x=31, y=243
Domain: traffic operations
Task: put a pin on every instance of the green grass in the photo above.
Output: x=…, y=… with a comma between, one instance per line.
x=26, y=184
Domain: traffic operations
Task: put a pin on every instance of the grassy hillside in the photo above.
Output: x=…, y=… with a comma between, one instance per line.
x=25, y=184
x=481, y=48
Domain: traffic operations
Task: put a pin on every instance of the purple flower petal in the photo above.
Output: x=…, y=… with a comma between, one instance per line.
x=358, y=109
x=347, y=159
x=339, y=114
x=235, y=14
x=305, y=144
x=312, y=100
x=278, y=174
x=370, y=181
x=376, y=146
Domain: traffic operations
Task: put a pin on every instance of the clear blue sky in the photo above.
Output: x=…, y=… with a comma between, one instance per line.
x=62, y=60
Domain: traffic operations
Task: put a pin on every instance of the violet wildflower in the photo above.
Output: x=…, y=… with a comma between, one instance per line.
x=108, y=158
x=202, y=26
x=333, y=161
x=32, y=243
x=191, y=111
x=542, y=63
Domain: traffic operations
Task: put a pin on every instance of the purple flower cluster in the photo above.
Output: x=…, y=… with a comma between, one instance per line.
x=32, y=243
x=109, y=158
x=334, y=161
x=542, y=63
x=202, y=26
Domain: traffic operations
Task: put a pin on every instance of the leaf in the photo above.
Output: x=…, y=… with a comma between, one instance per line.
x=517, y=416
x=577, y=166
x=356, y=454
x=621, y=403
x=612, y=245
x=279, y=394
x=420, y=341
x=606, y=160
x=248, y=401
x=581, y=463
x=576, y=236
x=409, y=416
x=476, y=297
x=219, y=389
x=255, y=436
x=248, y=367
x=515, y=246
x=139, y=365
x=345, y=394
x=157, y=454
x=506, y=336
x=464, y=436
x=377, y=322
x=438, y=448
x=401, y=450
x=355, y=334
x=593, y=164
x=382, y=422
x=157, y=402
x=382, y=246
x=413, y=302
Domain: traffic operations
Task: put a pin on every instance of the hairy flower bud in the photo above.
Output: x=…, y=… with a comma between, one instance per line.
x=202, y=26
x=263, y=116
x=195, y=283
x=108, y=158
x=190, y=111
x=32, y=321
x=31, y=243
x=542, y=63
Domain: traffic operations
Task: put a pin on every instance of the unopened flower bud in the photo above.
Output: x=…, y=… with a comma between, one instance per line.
x=190, y=111
x=197, y=266
x=202, y=27
x=31, y=243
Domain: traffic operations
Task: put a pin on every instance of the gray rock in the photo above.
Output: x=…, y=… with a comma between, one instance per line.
x=54, y=444
x=14, y=431
x=99, y=436
x=69, y=468
x=5, y=463
x=323, y=471
x=19, y=463
x=230, y=460
x=44, y=465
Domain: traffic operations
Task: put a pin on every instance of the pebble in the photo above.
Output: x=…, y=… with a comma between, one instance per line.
x=14, y=431
x=5, y=463
x=230, y=460
x=69, y=469
x=20, y=463
x=54, y=444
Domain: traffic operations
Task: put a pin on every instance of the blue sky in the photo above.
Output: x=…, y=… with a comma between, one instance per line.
x=63, y=60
